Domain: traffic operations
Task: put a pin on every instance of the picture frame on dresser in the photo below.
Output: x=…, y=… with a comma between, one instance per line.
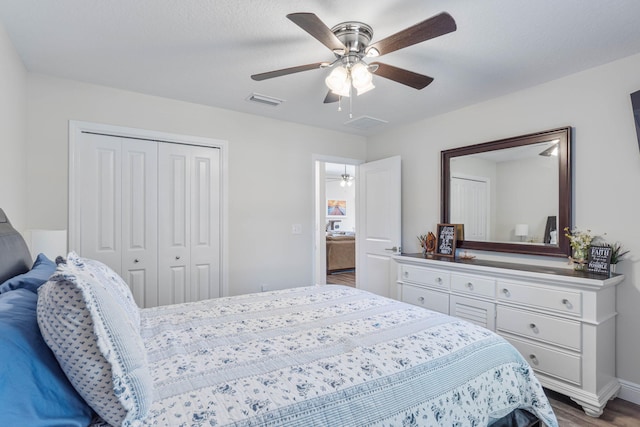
x=446, y=235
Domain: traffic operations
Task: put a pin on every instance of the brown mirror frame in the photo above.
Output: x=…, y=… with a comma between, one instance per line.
x=563, y=248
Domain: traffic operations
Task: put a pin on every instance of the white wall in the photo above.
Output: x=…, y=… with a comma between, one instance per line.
x=606, y=168
x=264, y=155
x=13, y=150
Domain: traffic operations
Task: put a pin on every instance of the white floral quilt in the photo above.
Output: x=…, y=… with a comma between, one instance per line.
x=329, y=356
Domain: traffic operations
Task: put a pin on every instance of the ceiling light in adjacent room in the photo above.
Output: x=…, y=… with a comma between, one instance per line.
x=346, y=179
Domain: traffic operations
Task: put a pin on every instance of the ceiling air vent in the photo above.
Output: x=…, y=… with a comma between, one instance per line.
x=364, y=122
x=264, y=99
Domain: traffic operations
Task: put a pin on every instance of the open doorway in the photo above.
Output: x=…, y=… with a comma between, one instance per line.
x=340, y=224
x=336, y=217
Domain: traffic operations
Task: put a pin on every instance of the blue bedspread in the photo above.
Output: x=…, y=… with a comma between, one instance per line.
x=329, y=356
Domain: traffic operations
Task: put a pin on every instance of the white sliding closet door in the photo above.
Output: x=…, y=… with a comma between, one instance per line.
x=189, y=214
x=118, y=216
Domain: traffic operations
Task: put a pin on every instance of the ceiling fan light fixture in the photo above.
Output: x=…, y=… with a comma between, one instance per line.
x=360, y=75
x=346, y=179
x=339, y=81
x=364, y=88
x=361, y=78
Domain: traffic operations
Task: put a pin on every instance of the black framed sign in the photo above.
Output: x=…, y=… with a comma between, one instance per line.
x=446, y=234
x=599, y=259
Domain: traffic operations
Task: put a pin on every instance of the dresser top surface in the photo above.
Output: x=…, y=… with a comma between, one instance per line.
x=479, y=265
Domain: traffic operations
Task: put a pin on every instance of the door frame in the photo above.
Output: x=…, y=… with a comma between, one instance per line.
x=77, y=128
x=319, y=261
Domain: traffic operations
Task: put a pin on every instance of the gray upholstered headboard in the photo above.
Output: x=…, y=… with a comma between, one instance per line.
x=14, y=253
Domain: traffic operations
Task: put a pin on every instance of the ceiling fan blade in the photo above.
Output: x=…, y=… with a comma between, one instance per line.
x=314, y=26
x=285, y=71
x=433, y=27
x=331, y=97
x=400, y=75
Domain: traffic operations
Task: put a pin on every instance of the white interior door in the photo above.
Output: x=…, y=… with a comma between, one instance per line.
x=140, y=219
x=100, y=195
x=189, y=250
x=174, y=187
x=118, y=201
x=205, y=224
x=379, y=224
x=117, y=179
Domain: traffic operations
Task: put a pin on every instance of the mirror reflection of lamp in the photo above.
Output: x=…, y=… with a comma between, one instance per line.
x=522, y=231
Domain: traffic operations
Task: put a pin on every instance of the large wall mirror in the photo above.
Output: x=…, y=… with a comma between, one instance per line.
x=512, y=195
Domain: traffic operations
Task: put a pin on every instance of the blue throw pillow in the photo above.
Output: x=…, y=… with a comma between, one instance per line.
x=34, y=390
x=42, y=268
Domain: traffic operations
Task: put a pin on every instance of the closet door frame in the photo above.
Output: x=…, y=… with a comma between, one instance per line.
x=77, y=128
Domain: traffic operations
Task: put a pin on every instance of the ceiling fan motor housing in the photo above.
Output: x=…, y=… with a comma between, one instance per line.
x=356, y=36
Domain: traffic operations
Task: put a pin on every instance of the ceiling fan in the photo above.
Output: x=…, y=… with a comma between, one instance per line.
x=350, y=43
x=345, y=179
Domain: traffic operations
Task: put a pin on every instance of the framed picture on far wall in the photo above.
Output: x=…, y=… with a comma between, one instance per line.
x=336, y=207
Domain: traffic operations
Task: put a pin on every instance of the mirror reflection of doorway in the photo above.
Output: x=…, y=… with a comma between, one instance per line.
x=470, y=205
x=340, y=224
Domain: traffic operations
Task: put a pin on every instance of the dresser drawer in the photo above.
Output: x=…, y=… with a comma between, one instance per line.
x=427, y=298
x=561, y=332
x=560, y=300
x=473, y=285
x=554, y=363
x=425, y=276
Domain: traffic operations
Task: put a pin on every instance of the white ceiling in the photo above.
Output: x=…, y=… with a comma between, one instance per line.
x=204, y=51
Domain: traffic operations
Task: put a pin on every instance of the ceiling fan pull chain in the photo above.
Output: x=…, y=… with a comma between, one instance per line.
x=350, y=103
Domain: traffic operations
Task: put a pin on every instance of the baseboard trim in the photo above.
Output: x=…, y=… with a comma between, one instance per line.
x=629, y=391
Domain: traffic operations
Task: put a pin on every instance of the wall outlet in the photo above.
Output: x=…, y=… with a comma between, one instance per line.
x=296, y=229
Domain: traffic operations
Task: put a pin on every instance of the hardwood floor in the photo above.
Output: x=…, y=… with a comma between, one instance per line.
x=347, y=278
x=618, y=413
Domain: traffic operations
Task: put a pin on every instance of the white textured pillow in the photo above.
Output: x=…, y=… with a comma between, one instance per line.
x=112, y=282
x=96, y=343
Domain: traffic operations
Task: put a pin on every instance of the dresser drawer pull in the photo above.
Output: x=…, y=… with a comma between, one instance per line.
x=506, y=292
x=533, y=327
x=421, y=299
x=533, y=359
x=438, y=279
x=470, y=286
x=567, y=303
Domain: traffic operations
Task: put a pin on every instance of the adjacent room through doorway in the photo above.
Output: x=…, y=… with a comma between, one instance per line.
x=339, y=219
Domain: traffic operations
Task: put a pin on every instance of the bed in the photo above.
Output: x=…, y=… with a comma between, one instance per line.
x=82, y=354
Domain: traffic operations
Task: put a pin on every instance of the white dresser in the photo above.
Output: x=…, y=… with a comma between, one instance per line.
x=562, y=321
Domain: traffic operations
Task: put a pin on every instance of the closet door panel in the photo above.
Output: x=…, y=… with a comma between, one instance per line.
x=140, y=219
x=101, y=193
x=150, y=210
x=174, y=214
x=205, y=223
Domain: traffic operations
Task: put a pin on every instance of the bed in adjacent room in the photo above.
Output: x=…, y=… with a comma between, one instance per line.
x=318, y=355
